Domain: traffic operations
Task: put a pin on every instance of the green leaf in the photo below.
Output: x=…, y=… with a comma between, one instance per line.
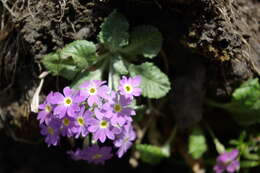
x=116, y=78
x=57, y=66
x=249, y=164
x=85, y=76
x=151, y=154
x=155, y=84
x=197, y=143
x=119, y=65
x=81, y=51
x=250, y=156
x=114, y=31
x=144, y=40
x=245, y=104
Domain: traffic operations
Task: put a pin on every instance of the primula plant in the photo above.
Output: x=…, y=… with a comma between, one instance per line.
x=100, y=104
x=132, y=85
x=93, y=108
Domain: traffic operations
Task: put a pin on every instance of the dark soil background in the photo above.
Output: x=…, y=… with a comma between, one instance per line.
x=210, y=47
x=18, y=157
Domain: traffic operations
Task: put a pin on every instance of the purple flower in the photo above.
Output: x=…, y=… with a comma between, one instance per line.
x=81, y=123
x=93, y=91
x=47, y=107
x=118, y=108
x=227, y=161
x=101, y=127
x=51, y=132
x=76, y=155
x=129, y=87
x=67, y=123
x=67, y=103
x=97, y=155
x=124, y=140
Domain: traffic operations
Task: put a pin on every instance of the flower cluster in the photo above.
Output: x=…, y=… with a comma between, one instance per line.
x=93, y=109
x=93, y=154
x=227, y=161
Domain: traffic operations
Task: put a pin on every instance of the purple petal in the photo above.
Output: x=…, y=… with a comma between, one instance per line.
x=73, y=109
x=100, y=135
x=136, y=81
x=41, y=116
x=233, y=166
x=119, y=142
x=98, y=114
x=78, y=98
x=93, y=99
x=219, y=169
x=60, y=110
x=124, y=101
x=127, y=112
x=233, y=154
x=103, y=92
x=68, y=92
x=93, y=128
x=42, y=106
x=58, y=98
x=109, y=134
x=116, y=130
x=227, y=156
x=120, y=152
x=137, y=91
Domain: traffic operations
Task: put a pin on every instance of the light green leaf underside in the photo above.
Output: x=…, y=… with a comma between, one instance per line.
x=155, y=84
x=151, y=154
x=197, y=143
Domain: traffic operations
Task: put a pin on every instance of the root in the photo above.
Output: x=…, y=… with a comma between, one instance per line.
x=6, y=6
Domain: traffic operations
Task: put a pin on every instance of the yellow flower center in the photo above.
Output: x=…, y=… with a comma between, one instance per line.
x=50, y=130
x=81, y=121
x=92, y=91
x=66, y=121
x=97, y=156
x=67, y=101
x=118, y=108
x=126, y=139
x=48, y=108
x=128, y=88
x=103, y=124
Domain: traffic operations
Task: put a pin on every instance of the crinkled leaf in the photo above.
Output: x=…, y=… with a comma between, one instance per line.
x=152, y=154
x=197, y=143
x=245, y=104
x=114, y=31
x=85, y=76
x=57, y=66
x=81, y=51
x=119, y=65
x=248, y=94
x=144, y=40
x=155, y=84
